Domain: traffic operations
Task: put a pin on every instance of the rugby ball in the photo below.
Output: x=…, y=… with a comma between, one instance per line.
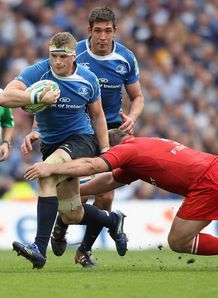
x=37, y=88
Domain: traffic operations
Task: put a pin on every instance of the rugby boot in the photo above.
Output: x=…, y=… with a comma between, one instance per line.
x=31, y=253
x=85, y=259
x=118, y=235
x=58, y=240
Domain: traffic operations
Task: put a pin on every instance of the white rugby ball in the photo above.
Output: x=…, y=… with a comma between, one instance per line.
x=38, y=88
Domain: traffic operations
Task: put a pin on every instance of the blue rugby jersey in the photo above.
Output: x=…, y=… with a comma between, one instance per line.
x=113, y=71
x=67, y=116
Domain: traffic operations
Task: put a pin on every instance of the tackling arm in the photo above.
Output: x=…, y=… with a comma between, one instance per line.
x=100, y=184
x=77, y=167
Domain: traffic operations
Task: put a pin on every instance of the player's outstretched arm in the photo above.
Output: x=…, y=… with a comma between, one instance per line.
x=100, y=184
x=76, y=168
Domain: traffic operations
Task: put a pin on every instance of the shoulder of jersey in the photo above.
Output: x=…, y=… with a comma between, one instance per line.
x=81, y=46
x=122, y=50
x=41, y=66
x=82, y=69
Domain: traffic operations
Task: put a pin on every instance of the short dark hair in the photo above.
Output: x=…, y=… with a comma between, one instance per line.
x=102, y=14
x=116, y=136
x=63, y=38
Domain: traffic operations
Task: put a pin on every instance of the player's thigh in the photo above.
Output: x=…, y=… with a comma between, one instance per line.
x=183, y=230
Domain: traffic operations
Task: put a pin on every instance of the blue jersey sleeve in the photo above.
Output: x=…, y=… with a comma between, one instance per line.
x=132, y=75
x=96, y=88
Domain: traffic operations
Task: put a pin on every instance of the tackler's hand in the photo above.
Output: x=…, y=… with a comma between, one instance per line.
x=38, y=170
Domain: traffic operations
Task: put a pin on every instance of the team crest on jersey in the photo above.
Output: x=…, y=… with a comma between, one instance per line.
x=121, y=68
x=83, y=91
x=85, y=65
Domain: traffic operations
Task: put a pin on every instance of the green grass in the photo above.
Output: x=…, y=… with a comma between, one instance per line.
x=140, y=274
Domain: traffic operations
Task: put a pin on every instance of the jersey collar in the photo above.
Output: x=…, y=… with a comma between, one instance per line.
x=97, y=56
x=127, y=139
x=65, y=77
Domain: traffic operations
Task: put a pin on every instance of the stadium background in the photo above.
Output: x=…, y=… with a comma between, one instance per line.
x=175, y=43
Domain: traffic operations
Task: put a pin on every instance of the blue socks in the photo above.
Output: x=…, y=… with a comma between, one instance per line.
x=47, y=208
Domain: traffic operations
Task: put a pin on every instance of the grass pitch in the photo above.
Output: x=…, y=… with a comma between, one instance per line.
x=140, y=274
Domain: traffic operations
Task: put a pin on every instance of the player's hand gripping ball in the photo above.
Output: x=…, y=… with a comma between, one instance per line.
x=36, y=89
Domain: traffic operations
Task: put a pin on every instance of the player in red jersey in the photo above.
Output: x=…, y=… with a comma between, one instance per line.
x=161, y=162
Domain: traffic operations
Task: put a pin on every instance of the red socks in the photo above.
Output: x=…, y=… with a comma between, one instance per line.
x=205, y=244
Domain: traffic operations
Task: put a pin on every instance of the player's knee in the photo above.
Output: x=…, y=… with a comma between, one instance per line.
x=72, y=217
x=176, y=244
x=71, y=209
x=172, y=243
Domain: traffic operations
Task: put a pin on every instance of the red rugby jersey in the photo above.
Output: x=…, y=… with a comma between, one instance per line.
x=161, y=162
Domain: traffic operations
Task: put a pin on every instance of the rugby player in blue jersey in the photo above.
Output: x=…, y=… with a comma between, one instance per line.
x=66, y=132
x=115, y=66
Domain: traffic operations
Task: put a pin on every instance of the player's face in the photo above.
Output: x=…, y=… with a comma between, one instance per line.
x=62, y=64
x=102, y=34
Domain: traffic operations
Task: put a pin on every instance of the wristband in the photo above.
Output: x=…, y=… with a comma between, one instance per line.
x=7, y=142
x=34, y=97
x=35, y=129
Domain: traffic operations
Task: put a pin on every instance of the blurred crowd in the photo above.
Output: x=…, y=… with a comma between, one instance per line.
x=175, y=43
